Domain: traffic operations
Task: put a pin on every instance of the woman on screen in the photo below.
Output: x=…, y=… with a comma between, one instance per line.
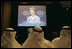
x=33, y=19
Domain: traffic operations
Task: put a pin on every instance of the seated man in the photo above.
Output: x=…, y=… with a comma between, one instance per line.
x=36, y=39
x=64, y=41
x=8, y=39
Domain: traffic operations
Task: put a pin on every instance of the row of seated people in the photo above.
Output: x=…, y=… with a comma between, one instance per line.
x=36, y=39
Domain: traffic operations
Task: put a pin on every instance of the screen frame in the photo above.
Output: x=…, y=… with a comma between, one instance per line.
x=31, y=5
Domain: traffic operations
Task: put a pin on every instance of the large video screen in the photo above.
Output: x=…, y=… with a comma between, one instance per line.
x=32, y=15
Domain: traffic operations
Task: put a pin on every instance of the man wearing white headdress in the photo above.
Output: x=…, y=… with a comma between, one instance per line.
x=33, y=18
x=64, y=41
x=8, y=39
x=36, y=39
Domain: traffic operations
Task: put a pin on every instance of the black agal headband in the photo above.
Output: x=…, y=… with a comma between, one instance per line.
x=38, y=31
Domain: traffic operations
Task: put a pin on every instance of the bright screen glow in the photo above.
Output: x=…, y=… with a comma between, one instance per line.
x=29, y=15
